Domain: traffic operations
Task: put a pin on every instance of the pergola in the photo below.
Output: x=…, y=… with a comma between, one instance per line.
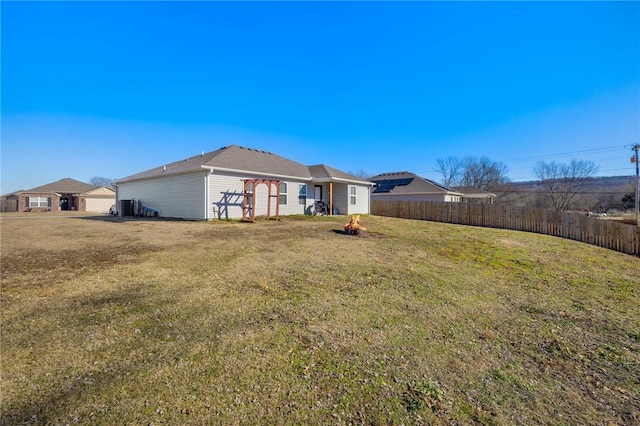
x=249, y=199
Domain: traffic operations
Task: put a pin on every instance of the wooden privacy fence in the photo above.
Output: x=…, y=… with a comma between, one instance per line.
x=604, y=233
x=8, y=206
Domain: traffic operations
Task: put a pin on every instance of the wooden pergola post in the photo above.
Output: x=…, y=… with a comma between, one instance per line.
x=249, y=190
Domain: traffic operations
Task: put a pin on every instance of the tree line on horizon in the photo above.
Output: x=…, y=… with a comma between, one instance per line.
x=559, y=186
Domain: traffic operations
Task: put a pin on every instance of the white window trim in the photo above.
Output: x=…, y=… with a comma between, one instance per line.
x=35, y=202
x=353, y=195
x=283, y=193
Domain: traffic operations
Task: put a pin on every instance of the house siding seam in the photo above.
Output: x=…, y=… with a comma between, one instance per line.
x=179, y=196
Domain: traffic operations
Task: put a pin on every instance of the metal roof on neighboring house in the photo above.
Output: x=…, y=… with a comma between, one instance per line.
x=63, y=186
x=407, y=183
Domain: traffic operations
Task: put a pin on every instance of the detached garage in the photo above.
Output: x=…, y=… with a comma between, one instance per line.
x=98, y=200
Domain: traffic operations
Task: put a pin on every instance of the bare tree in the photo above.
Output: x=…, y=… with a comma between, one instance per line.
x=480, y=172
x=483, y=173
x=563, y=182
x=451, y=170
x=100, y=181
x=361, y=173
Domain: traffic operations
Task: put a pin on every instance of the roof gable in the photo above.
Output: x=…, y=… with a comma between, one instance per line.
x=63, y=186
x=100, y=190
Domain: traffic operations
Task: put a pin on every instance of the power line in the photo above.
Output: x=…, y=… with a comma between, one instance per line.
x=564, y=154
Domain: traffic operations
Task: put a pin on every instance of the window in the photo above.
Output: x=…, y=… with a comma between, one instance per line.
x=352, y=195
x=39, y=202
x=283, y=194
x=302, y=194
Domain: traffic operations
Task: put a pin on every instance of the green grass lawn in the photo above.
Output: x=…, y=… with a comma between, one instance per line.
x=169, y=322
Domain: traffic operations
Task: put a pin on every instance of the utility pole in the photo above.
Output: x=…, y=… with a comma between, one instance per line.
x=635, y=148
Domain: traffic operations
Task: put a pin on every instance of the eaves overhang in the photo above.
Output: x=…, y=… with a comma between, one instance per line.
x=341, y=180
x=160, y=174
x=249, y=172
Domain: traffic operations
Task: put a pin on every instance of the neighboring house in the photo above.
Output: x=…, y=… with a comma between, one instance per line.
x=65, y=194
x=471, y=194
x=406, y=186
x=225, y=183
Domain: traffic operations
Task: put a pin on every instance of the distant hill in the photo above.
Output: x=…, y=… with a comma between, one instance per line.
x=599, y=194
x=596, y=184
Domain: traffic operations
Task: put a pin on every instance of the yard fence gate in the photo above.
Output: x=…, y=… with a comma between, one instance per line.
x=597, y=231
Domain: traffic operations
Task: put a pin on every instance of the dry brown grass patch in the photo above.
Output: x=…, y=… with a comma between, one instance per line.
x=292, y=322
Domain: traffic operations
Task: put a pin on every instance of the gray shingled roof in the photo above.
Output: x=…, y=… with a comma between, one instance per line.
x=322, y=171
x=472, y=190
x=63, y=186
x=232, y=157
x=418, y=185
x=246, y=160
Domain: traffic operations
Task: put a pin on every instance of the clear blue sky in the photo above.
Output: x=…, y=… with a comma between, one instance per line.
x=113, y=88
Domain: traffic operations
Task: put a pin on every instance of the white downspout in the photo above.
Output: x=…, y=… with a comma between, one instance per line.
x=206, y=195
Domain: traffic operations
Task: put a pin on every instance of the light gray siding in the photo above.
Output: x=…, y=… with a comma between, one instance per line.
x=226, y=196
x=293, y=205
x=362, y=199
x=340, y=198
x=204, y=195
x=307, y=207
x=180, y=196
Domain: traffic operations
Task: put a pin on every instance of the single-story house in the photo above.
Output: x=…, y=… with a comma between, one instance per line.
x=471, y=194
x=407, y=186
x=65, y=194
x=240, y=182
